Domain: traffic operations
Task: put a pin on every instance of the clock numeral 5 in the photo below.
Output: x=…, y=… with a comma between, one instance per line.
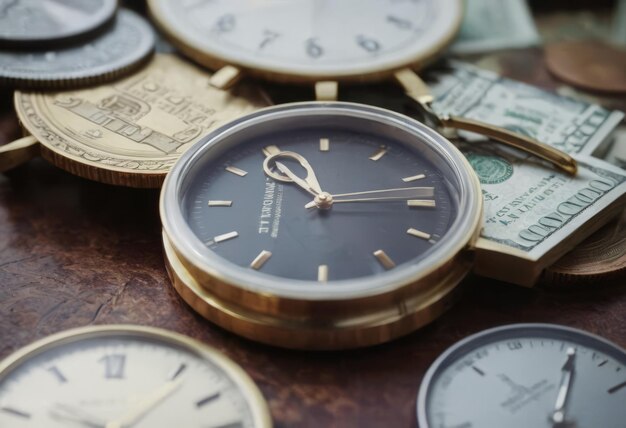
x=368, y=44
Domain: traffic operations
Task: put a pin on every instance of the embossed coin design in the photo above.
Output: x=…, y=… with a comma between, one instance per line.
x=124, y=46
x=126, y=376
x=130, y=132
x=526, y=375
x=46, y=23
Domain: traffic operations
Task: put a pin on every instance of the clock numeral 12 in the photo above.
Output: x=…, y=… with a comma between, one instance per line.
x=114, y=366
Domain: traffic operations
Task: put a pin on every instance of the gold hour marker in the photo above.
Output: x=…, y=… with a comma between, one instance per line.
x=379, y=153
x=225, y=237
x=418, y=233
x=384, y=259
x=324, y=144
x=413, y=178
x=271, y=150
x=420, y=203
x=322, y=273
x=236, y=171
x=220, y=203
x=260, y=260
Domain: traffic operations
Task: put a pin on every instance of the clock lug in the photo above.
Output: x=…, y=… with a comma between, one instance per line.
x=326, y=90
x=18, y=152
x=225, y=77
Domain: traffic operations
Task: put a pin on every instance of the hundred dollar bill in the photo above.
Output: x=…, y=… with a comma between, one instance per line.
x=495, y=24
x=570, y=125
x=533, y=214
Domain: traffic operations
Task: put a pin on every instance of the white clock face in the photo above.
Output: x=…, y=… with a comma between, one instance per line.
x=313, y=38
x=115, y=382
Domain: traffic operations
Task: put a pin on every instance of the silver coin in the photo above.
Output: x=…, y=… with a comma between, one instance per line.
x=40, y=23
x=128, y=42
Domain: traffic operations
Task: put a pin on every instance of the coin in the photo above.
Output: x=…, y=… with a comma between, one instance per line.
x=41, y=23
x=589, y=65
x=123, y=47
x=601, y=256
x=130, y=132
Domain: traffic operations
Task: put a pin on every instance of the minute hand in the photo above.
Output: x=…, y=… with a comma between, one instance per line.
x=381, y=195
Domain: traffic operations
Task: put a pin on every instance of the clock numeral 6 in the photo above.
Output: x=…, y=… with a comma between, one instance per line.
x=313, y=49
x=368, y=44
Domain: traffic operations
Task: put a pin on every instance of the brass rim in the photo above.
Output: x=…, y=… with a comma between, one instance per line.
x=214, y=61
x=258, y=406
x=315, y=329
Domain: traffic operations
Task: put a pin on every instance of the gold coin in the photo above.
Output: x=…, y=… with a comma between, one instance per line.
x=130, y=132
x=602, y=256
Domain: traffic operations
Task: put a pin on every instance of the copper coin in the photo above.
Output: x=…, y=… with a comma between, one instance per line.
x=602, y=256
x=590, y=65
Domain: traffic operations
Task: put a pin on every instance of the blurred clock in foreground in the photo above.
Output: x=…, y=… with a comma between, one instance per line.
x=126, y=376
x=526, y=375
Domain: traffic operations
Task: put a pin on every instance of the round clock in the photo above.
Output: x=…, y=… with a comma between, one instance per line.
x=308, y=41
x=126, y=376
x=526, y=375
x=320, y=225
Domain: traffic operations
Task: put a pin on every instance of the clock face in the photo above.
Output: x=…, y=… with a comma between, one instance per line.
x=318, y=38
x=383, y=199
x=122, y=379
x=526, y=375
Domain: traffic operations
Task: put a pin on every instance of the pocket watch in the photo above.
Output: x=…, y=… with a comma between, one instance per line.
x=122, y=376
x=324, y=42
x=129, y=132
x=526, y=375
x=309, y=41
x=320, y=225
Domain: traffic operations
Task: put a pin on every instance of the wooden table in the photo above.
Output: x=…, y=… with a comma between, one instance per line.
x=75, y=252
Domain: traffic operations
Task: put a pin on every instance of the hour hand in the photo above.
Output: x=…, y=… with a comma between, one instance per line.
x=74, y=414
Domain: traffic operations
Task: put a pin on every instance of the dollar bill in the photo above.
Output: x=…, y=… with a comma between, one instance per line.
x=616, y=154
x=535, y=213
x=573, y=126
x=495, y=24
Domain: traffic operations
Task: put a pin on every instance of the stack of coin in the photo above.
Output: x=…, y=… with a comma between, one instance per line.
x=52, y=44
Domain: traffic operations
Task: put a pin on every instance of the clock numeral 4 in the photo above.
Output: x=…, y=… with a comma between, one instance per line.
x=368, y=44
x=313, y=49
x=114, y=366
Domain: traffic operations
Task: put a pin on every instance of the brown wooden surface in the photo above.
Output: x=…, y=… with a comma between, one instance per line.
x=75, y=252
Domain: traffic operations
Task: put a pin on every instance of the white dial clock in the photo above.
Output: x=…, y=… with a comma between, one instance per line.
x=310, y=40
x=126, y=377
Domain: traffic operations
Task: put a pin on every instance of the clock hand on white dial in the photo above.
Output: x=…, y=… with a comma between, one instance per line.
x=137, y=411
x=558, y=416
x=325, y=200
x=73, y=414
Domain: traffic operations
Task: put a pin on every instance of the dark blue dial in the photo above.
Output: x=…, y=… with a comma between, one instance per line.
x=261, y=223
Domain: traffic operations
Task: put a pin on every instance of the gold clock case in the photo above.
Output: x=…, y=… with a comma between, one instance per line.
x=258, y=406
x=310, y=319
x=215, y=62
